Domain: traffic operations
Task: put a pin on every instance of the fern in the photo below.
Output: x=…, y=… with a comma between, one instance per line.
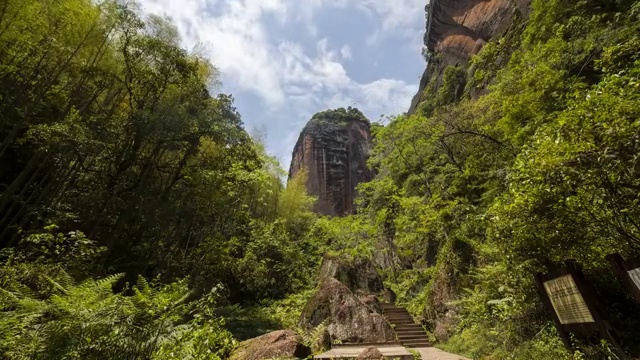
x=312, y=338
x=55, y=285
x=21, y=291
x=142, y=286
x=108, y=282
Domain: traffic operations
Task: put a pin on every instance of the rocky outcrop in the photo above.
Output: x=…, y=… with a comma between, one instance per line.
x=371, y=353
x=458, y=29
x=359, y=275
x=334, y=147
x=277, y=344
x=349, y=319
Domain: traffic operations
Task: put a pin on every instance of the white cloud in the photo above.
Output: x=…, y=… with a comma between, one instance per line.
x=235, y=36
x=345, y=52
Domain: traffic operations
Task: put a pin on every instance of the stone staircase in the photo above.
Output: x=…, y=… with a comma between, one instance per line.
x=410, y=334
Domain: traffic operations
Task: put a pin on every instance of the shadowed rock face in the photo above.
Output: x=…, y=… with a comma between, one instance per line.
x=334, y=147
x=350, y=319
x=359, y=275
x=458, y=29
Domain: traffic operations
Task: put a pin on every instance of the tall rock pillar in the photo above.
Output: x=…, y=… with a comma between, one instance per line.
x=334, y=147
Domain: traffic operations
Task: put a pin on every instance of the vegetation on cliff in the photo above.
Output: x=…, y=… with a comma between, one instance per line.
x=480, y=192
x=139, y=220
x=132, y=202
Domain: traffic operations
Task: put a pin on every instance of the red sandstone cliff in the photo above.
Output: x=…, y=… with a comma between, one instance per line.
x=334, y=147
x=457, y=29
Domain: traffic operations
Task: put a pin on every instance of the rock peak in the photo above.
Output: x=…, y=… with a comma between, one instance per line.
x=334, y=147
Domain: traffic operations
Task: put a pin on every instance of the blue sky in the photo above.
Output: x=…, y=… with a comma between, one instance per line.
x=284, y=60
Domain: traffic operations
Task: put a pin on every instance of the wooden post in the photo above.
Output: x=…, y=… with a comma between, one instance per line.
x=606, y=334
x=597, y=310
x=588, y=297
x=621, y=268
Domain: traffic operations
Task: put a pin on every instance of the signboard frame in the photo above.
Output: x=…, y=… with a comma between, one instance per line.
x=600, y=323
x=622, y=267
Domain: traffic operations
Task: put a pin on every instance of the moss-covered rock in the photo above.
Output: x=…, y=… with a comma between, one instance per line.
x=359, y=275
x=349, y=319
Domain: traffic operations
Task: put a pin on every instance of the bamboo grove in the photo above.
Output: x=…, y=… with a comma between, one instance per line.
x=109, y=128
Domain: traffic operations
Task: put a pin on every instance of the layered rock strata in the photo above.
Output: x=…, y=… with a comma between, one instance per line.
x=334, y=147
x=458, y=29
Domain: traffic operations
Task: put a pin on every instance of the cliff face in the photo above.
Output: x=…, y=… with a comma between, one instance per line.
x=457, y=29
x=334, y=147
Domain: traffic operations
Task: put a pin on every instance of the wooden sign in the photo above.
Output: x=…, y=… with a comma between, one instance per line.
x=574, y=305
x=629, y=272
x=567, y=301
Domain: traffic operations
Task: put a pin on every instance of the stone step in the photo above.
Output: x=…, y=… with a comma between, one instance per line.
x=396, y=314
x=416, y=343
x=384, y=304
x=412, y=337
x=399, y=317
x=366, y=344
x=409, y=326
x=401, y=321
x=410, y=332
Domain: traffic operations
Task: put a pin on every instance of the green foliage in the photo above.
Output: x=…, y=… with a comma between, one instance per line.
x=348, y=237
x=313, y=337
x=295, y=205
x=451, y=88
x=111, y=131
x=46, y=314
x=340, y=115
x=89, y=321
x=512, y=166
x=270, y=315
x=72, y=251
x=538, y=165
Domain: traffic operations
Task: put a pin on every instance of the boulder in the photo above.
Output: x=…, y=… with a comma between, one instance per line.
x=371, y=353
x=389, y=296
x=349, y=319
x=277, y=344
x=358, y=275
x=445, y=325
